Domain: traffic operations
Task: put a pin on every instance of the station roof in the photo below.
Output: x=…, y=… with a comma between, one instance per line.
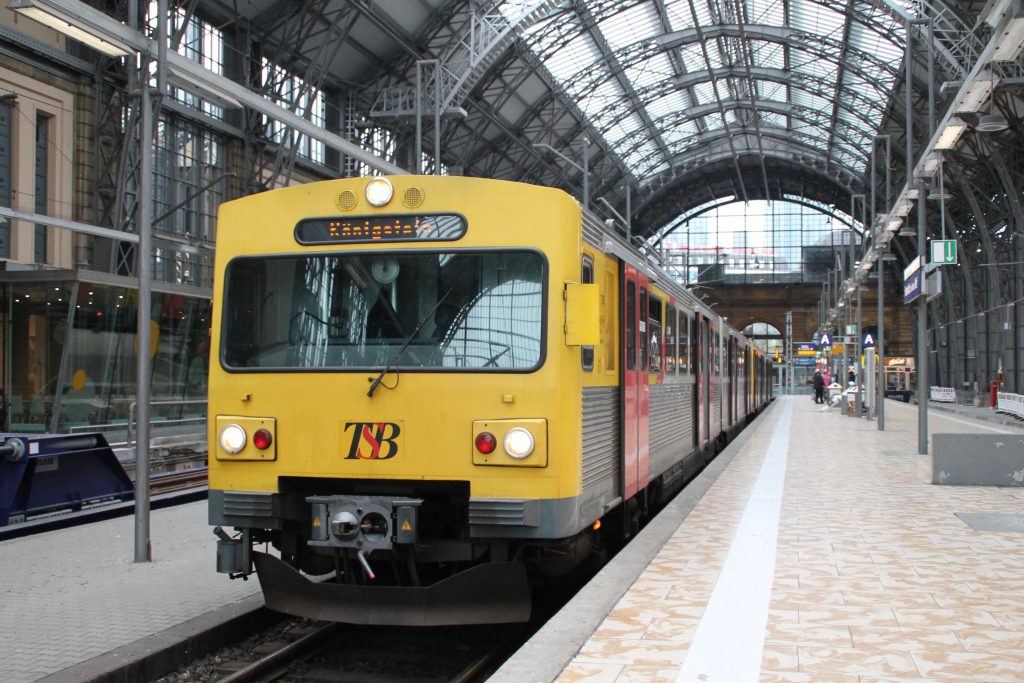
x=686, y=102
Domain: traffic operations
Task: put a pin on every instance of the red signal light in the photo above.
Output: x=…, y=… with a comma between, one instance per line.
x=262, y=439
x=485, y=442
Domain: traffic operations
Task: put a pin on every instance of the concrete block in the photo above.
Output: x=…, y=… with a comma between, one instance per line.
x=978, y=459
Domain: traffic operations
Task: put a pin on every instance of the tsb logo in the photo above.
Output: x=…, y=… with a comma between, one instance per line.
x=373, y=440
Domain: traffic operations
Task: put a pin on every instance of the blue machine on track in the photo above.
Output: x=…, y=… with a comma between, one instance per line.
x=41, y=473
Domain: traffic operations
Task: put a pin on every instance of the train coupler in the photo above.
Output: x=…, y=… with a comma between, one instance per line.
x=366, y=523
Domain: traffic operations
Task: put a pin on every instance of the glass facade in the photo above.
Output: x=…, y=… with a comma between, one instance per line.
x=188, y=186
x=76, y=356
x=756, y=242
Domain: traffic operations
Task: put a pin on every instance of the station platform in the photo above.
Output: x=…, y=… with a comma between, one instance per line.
x=814, y=548
x=76, y=607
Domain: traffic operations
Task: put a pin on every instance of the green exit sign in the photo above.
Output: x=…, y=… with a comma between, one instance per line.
x=943, y=251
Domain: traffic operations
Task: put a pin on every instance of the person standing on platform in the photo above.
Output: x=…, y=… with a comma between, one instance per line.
x=819, y=387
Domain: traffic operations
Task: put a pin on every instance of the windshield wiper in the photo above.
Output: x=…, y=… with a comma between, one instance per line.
x=376, y=381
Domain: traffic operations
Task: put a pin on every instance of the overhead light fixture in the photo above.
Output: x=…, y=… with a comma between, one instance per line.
x=978, y=92
x=77, y=20
x=993, y=122
x=951, y=133
x=179, y=77
x=939, y=194
x=908, y=231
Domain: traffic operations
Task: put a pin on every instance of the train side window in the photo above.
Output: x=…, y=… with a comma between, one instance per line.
x=670, y=339
x=645, y=356
x=630, y=325
x=608, y=317
x=718, y=353
x=684, y=342
x=655, y=342
x=587, y=277
x=695, y=359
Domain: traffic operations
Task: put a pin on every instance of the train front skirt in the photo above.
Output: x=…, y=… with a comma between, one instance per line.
x=493, y=593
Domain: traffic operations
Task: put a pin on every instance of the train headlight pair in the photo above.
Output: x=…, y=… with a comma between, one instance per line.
x=246, y=438
x=519, y=439
x=518, y=443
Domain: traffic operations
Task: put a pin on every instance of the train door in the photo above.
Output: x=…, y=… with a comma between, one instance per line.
x=636, y=390
x=703, y=362
x=734, y=381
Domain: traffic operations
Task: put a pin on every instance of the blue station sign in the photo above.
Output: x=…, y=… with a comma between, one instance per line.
x=912, y=287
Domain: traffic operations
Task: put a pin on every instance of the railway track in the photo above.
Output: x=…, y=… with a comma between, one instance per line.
x=300, y=650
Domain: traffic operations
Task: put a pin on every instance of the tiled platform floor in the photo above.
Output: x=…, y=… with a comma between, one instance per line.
x=874, y=579
x=67, y=596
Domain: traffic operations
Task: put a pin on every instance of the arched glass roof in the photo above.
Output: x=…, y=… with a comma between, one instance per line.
x=660, y=80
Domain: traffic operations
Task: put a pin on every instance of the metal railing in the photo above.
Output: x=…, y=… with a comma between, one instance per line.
x=180, y=420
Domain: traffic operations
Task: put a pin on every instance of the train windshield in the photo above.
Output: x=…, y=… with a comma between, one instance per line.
x=453, y=310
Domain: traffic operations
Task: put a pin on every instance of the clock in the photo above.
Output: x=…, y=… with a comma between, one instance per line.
x=385, y=270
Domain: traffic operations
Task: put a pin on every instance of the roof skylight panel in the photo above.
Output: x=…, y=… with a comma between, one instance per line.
x=667, y=104
x=642, y=157
x=650, y=71
x=692, y=57
x=682, y=10
x=623, y=128
x=639, y=22
x=714, y=121
x=604, y=104
x=578, y=55
x=848, y=159
x=772, y=119
x=811, y=17
x=679, y=135
x=768, y=53
x=869, y=41
x=705, y=92
x=814, y=64
x=544, y=34
x=771, y=90
x=678, y=14
x=766, y=12
x=811, y=101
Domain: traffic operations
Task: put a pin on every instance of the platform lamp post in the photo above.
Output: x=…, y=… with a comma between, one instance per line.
x=106, y=35
x=880, y=334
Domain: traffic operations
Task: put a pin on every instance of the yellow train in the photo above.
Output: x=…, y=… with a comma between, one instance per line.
x=431, y=389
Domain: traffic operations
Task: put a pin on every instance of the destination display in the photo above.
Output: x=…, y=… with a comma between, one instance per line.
x=383, y=228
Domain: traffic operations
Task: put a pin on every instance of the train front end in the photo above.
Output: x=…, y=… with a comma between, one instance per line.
x=387, y=395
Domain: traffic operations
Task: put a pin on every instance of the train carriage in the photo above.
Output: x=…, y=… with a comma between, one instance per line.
x=430, y=389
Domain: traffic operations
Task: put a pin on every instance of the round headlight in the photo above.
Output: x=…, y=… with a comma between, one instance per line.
x=379, y=191
x=232, y=438
x=518, y=443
